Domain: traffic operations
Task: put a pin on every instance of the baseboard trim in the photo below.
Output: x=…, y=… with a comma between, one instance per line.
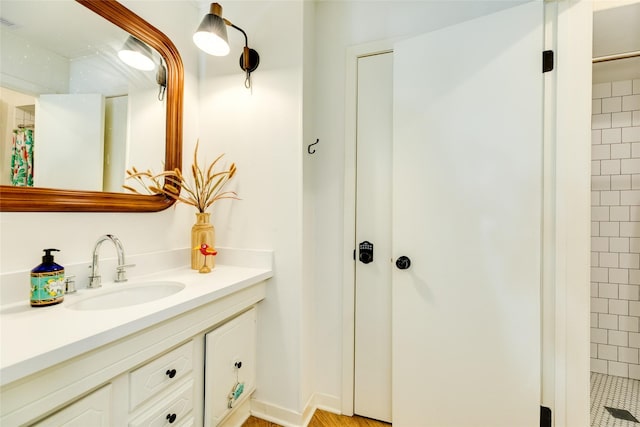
x=289, y=418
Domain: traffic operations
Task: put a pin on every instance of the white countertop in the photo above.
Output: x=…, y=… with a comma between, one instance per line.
x=34, y=338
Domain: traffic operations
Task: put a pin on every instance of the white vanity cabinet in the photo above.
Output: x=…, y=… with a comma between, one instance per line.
x=153, y=377
x=230, y=366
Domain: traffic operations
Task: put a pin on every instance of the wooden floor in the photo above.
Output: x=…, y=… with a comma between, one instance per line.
x=324, y=419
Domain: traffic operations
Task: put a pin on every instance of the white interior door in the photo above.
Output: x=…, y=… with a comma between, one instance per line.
x=69, y=143
x=467, y=165
x=372, y=368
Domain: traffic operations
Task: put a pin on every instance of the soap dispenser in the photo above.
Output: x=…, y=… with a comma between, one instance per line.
x=47, y=281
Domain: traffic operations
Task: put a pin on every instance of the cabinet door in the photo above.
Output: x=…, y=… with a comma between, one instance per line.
x=92, y=410
x=230, y=355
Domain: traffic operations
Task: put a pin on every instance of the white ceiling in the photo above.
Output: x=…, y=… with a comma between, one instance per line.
x=616, y=29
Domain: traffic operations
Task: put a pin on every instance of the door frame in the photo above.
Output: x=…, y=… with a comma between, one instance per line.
x=566, y=214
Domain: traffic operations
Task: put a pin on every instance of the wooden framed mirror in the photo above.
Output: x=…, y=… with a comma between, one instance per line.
x=30, y=199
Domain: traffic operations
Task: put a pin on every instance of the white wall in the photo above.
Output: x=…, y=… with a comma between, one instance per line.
x=261, y=130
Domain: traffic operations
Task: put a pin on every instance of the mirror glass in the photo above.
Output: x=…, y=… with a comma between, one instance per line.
x=73, y=115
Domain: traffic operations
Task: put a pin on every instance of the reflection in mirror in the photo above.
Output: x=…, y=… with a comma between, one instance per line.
x=133, y=104
x=74, y=114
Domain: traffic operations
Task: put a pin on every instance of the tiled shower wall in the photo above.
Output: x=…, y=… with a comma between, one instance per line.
x=615, y=229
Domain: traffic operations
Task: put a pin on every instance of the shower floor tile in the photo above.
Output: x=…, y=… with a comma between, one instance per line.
x=613, y=392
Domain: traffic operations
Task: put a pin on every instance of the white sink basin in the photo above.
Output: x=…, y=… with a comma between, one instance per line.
x=128, y=294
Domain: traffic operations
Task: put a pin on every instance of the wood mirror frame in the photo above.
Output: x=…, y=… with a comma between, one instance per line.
x=29, y=199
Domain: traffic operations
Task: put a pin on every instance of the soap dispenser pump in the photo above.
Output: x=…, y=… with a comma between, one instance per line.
x=47, y=281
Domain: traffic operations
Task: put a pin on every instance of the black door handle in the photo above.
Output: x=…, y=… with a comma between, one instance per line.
x=403, y=262
x=366, y=252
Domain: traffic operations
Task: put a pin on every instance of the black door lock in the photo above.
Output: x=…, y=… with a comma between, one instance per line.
x=366, y=252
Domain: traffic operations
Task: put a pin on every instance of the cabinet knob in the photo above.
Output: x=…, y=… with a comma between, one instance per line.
x=238, y=365
x=171, y=418
x=171, y=373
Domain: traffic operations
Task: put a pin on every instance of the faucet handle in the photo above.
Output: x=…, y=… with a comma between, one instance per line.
x=69, y=284
x=121, y=272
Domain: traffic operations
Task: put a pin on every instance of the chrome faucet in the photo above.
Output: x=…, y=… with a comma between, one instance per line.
x=121, y=273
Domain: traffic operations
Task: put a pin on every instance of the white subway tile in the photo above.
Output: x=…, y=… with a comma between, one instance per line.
x=634, y=277
x=594, y=289
x=598, y=366
x=596, y=137
x=611, y=136
x=634, y=372
x=601, y=90
x=631, y=102
x=623, y=87
x=612, y=105
x=622, y=119
x=595, y=198
x=617, y=213
x=595, y=167
x=599, y=336
x=629, y=292
x=608, y=260
x=607, y=321
x=600, y=244
x=620, y=307
x=607, y=352
x=601, y=213
x=601, y=305
x=626, y=323
x=634, y=339
x=634, y=245
x=627, y=197
x=635, y=181
x=621, y=151
x=600, y=121
x=635, y=118
x=628, y=229
x=620, y=182
x=610, y=198
x=595, y=229
x=610, y=229
x=608, y=290
x=595, y=257
x=618, y=369
x=610, y=167
x=634, y=308
x=601, y=182
x=634, y=213
x=594, y=320
x=628, y=355
x=636, y=86
x=619, y=338
x=619, y=275
x=600, y=152
x=594, y=350
x=599, y=274
x=596, y=106
x=617, y=244
x=629, y=134
x=629, y=261
x=628, y=165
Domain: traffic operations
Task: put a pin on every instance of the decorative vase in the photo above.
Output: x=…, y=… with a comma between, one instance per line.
x=202, y=232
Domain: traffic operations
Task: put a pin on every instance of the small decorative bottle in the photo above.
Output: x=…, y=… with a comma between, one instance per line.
x=47, y=282
x=202, y=233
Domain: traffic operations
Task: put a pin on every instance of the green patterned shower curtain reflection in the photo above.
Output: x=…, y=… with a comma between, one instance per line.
x=22, y=158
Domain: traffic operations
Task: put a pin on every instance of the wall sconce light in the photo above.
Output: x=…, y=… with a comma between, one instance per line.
x=211, y=37
x=138, y=55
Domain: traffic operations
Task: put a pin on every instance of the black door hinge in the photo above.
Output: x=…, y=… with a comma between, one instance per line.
x=545, y=417
x=547, y=61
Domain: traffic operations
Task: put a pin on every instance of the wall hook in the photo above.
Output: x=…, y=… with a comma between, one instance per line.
x=309, y=150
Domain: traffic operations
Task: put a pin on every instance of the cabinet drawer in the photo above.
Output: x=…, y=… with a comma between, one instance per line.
x=160, y=373
x=174, y=409
x=92, y=410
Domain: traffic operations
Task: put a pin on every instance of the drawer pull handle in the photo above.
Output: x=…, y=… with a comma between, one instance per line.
x=171, y=373
x=171, y=418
